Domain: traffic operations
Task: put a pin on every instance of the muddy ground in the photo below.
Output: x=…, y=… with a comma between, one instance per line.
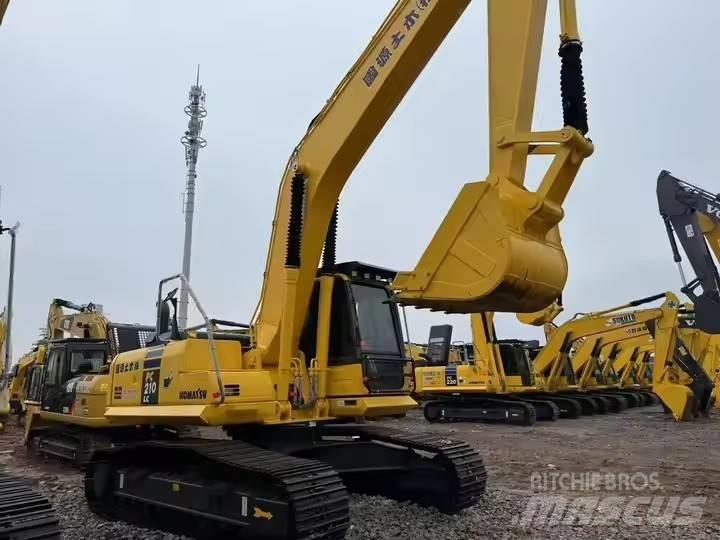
x=643, y=449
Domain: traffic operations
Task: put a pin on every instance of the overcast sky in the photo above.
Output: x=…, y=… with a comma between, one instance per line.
x=92, y=111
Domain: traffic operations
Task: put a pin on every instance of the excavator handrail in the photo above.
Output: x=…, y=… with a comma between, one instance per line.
x=207, y=323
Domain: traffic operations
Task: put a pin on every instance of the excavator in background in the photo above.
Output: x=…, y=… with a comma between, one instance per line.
x=528, y=384
x=692, y=214
x=4, y=391
x=632, y=361
x=21, y=379
x=325, y=346
x=595, y=372
x=72, y=356
x=81, y=325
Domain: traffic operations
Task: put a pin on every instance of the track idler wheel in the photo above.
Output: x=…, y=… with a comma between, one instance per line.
x=432, y=411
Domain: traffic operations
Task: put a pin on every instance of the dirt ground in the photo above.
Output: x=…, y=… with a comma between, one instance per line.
x=684, y=458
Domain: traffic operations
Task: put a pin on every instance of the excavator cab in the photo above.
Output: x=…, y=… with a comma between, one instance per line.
x=71, y=362
x=364, y=328
x=68, y=362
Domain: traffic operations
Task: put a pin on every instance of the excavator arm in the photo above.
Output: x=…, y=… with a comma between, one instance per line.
x=552, y=361
x=693, y=216
x=588, y=362
x=498, y=248
x=678, y=379
x=87, y=322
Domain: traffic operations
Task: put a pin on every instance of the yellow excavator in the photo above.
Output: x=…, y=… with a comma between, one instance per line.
x=595, y=373
x=78, y=330
x=79, y=342
x=632, y=361
x=325, y=346
x=517, y=382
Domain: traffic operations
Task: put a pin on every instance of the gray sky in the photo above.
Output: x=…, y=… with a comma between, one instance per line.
x=92, y=101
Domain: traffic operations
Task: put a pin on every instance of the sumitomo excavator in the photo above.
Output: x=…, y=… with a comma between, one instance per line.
x=325, y=346
x=632, y=361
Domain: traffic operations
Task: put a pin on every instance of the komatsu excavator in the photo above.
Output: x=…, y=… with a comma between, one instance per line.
x=325, y=346
x=548, y=383
x=71, y=358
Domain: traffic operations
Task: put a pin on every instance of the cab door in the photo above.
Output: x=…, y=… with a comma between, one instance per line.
x=52, y=393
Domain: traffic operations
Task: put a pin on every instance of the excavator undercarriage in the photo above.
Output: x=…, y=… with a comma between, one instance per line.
x=279, y=482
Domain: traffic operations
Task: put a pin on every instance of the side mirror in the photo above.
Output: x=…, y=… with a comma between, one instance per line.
x=163, y=319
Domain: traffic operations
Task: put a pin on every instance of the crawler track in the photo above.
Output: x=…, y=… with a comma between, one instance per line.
x=24, y=513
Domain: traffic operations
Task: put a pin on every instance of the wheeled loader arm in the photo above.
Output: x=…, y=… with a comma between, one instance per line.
x=499, y=247
x=693, y=216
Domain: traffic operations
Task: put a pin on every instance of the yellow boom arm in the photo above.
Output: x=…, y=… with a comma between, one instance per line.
x=498, y=248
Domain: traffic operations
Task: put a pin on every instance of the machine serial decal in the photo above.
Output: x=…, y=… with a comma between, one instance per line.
x=193, y=394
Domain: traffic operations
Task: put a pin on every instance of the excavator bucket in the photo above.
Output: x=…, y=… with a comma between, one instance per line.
x=677, y=399
x=496, y=250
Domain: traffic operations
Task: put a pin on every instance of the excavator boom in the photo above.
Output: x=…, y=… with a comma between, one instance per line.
x=692, y=214
x=498, y=248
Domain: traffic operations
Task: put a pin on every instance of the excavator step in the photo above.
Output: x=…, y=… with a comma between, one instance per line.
x=218, y=489
x=481, y=409
x=24, y=513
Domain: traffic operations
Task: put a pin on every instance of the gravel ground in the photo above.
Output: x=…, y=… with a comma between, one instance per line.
x=684, y=457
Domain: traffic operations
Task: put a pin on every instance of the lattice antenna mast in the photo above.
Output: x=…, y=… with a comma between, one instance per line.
x=193, y=142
